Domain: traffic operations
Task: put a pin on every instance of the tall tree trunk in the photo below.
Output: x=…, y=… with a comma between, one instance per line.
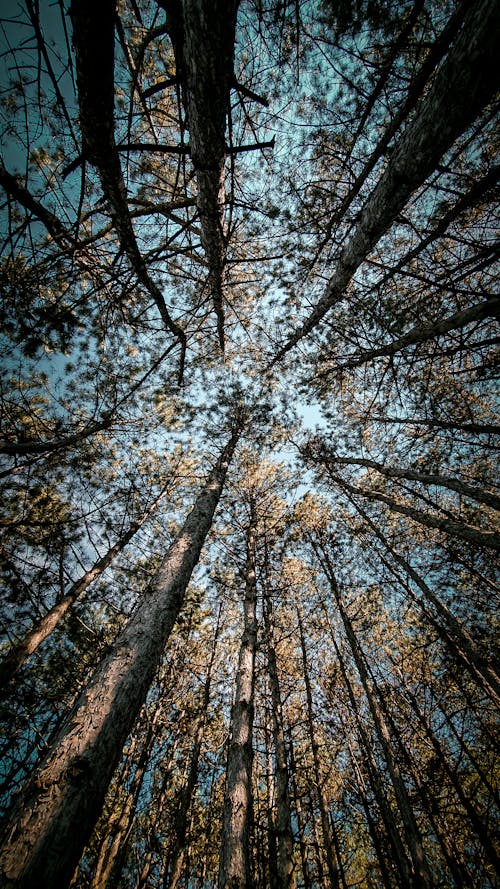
x=93, y=39
x=470, y=69
x=449, y=629
x=285, y=862
x=234, y=868
x=400, y=858
x=303, y=845
x=21, y=651
x=181, y=817
x=422, y=875
x=332, y=860
x=108, y=873
x=61, y=804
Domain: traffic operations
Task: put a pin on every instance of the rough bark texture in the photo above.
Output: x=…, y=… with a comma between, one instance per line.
x=234, y=869
x=470, y=69
x=53, y=821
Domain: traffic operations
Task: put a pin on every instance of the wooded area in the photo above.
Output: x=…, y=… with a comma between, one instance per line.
x=249, y=437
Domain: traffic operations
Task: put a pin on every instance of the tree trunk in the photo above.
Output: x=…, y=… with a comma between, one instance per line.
x=303, y=845
x=425, y=478
x=470, y=69
x=400, y=858
x=449, y=629
x=108, y=872
x=475, y=819
x=421, y=333
x=21, y=651
x=93, y=39
x=181, y=818
x=209, y=36
x=234, y=868
x=331, y=862
x=285, y=862
x=422, y=875
x=53, y=821
x=470, y=533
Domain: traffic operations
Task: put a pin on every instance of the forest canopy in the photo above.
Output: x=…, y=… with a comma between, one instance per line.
x=248, y=438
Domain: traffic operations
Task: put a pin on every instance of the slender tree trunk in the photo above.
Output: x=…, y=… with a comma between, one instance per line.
x=476, y=821
x=285, y=862
x=470, y=533
x=400, y=857
x=422, y=875
x=303, y=846
x=21, y=651
x=234, y=868
x=425, y=478
x=470, y=69
x=181, y=818
x=422, y=333
x=55, y=817
x=108, y=872
x=331, y=862
x=448, y=425
x=448, y=628
x=370, y=822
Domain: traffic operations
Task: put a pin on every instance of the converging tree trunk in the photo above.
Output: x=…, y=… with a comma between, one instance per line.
x=52, y=823
x=470, y=69
x=181, y=817
x=21, y=651
x=235, y=867
x=284, y=833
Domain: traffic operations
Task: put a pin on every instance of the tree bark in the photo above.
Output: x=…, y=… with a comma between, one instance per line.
x=54, y=819
x=234, y=866
x=470, y=69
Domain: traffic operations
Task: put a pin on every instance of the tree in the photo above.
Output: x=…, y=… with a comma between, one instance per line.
x=82, y=761
x=259, y=237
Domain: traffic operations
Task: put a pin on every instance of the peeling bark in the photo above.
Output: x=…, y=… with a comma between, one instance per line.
x=53, y=822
